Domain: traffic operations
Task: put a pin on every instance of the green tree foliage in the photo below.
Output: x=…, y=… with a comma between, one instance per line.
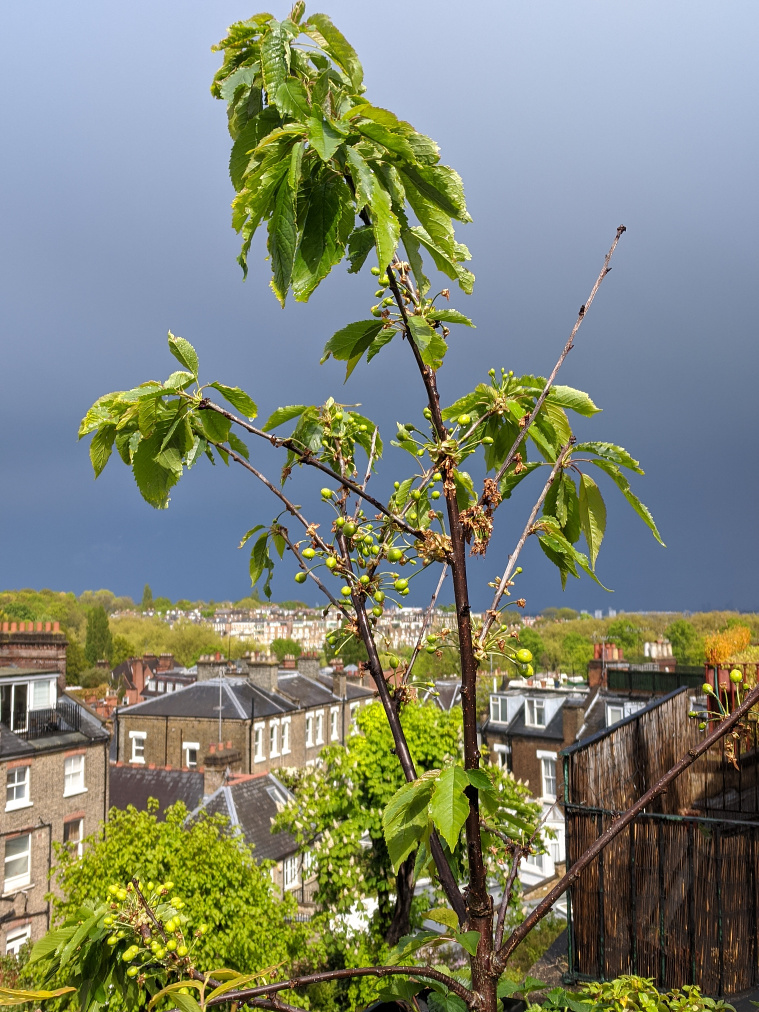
x=559, y=614
x=76, y=662
x=215, y=873
x=626, y=634
x=184, y=639
x=687, y=643
x=123, y=649
x=345, y=645
x=284, y=646
x=98, y=644
x=576, y=652
x=147, y=598
x=530, y=638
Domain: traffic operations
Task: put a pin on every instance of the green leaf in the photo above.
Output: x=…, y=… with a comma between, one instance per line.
x=292, y=99
x=282, y=239
x=328, y=223
x=184, y=353
x=154, y=480
x=11, y=996
x=238, y=446
x=323, y=135
x=480, y=779
x=275, y=57
x=405, y=819
x=249, y=534
x=450, y=267
x=624, y=486
x=259, y=558
x=450, y=806
x=616, y=454
x=444, y=916
x=386, y=138
x=439, y=185
x=238, y=399
x=350, y=343
x=431, y=345
x=51, y=942
x=448, y=1002
x=469, y=940
x=185, y=1002
x=511, y=480
x=577, y=400
x=387, y=229
x=282, y=415
x=215, y=426
x=178, y=380
x=246, y=143
x=101, y=447
x=465, y=494
x=362, y=175
x=411, y=245
x=449, y=316
x=321, y=29
x=592, y=516
x=360, y=245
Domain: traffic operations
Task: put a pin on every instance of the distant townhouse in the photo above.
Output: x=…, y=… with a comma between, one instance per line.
x=54, y=764
x=150, y=675
x=258, y=721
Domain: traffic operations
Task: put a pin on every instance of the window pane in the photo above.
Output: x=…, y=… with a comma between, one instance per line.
x=40, y=695
x=17, y=788
x=73, y=774
x=16, y=939
x=17, y=858
x=19, y=707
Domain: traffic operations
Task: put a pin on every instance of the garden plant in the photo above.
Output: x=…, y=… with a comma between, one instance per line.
x=334, y=178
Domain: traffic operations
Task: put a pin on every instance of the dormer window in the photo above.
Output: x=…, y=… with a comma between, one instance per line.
x=499, y=709
x=535, y=713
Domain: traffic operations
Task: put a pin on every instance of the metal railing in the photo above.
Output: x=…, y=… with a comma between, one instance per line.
x=61, y=719
x=651, y=679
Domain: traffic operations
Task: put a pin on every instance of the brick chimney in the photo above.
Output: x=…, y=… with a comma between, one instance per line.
x=339, y=683
x=308, y=665
x=211, y=666
x=262, y=671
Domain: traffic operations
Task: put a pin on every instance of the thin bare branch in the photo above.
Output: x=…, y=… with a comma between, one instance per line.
x=307, y=457
x=370, y=461
x=423, y=972
x=621, y=822
x=426, y=620
x=294, y=549
x=583, y=312
x=490, y=615
x=516, y=857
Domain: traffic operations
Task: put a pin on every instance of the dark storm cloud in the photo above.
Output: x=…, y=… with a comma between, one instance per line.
x=565, y=120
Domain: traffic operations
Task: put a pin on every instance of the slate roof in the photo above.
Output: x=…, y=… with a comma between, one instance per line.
x=240, y=700
x=554, y=730
x=250, y=802
x=133, y=785
x=307, y=691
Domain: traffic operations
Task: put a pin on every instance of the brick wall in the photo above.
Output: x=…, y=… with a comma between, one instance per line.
x=44, y=820
x=42, y=646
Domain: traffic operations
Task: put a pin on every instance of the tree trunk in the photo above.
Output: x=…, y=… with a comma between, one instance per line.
x=404, y=894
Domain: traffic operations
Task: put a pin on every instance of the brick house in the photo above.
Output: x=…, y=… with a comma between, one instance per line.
x=148, y=676
x=34, y=645
x=54, y=763
x=258, y=723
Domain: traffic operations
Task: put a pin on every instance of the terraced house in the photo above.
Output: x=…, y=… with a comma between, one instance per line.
x=54, y=765
x=252, y=723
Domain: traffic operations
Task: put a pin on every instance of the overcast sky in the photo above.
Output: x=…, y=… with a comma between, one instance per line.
x=564, y=119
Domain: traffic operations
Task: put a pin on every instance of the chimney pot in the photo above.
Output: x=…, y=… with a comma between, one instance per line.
x=48, y=626
x=56, y=626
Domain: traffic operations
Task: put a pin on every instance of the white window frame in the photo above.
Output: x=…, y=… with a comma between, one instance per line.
x=286, y=735
x=544, y=757
x=531, y=718
x=258, y=742
x=319, y=727
x=334, y=723
x=354, y=713
x=498, y=704
x=161, y=685
x=16, y=939
x=80, y=841
x=610, y=709
x=12, y=883
x=10, y=721
x=11, y=804
x=309, y=730
x=291, y=872
x=187, y=747
x=73, y=775
x=502, y=755
x=138, y=742
x=49, y=702
x=274, y=738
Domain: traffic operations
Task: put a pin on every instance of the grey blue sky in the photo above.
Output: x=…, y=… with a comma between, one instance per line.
x=565, y=119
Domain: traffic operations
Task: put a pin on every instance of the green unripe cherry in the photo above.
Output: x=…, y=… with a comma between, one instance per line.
x=171, y=945
x=436, y=494
x=326, y=493
x=420, y=452
x=376, y=310
x=464, y=419
x=707, y=689
x=405, y=593
x=487, y=440
x=331, y=562
x=376, y=271
x=437, y=476
x=431, y=650
x=345, y=591
x=308, y=553
x=384, y=280
x=300, y=577
x=350, y=529
x=427, y=413
x=736, y=676
x=416, y=494
x=375, y=549
x=401, y=584
x=379, y=596
x=529, y=671
x=524, y=656
x=182, y=949
x=132, y=971
x=364, y=579
x=379, y=293
x=396, y=485
x=113, y=940
x=393, y=661
x=702, y=725
x=340, y=522
x=394, y=555
x=377, y=611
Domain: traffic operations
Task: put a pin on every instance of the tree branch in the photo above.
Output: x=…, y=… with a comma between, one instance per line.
x=567, y=348
x=490, y=615
x=520, y=933
x=306, y=457
x=425, y=972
